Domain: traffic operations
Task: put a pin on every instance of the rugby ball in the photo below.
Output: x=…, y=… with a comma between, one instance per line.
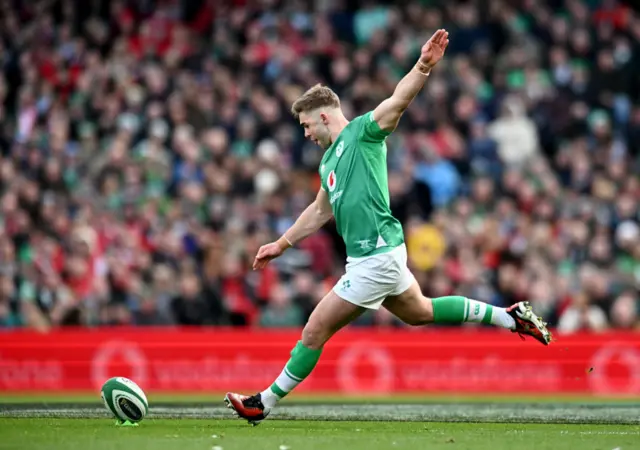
x=124, y=399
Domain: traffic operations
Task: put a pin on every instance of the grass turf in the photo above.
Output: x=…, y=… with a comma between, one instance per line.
x=186, y=422
x=202, y=434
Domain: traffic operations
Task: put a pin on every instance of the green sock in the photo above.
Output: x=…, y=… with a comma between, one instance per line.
x=302, y=362
x=456, y=309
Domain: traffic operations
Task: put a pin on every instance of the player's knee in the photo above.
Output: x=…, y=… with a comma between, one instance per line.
x=314, y=335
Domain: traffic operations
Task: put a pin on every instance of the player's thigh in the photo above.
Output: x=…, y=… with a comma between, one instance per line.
x=329, y=316
x=410, y=306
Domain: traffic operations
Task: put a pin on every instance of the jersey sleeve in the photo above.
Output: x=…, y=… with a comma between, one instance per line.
x=371, y=131
x=321, y=174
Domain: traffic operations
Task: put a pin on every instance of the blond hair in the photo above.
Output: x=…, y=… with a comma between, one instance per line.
x=315, y=97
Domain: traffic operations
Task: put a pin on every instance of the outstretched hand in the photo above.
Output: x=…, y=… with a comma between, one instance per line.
x=433, y=51
x=266, y=253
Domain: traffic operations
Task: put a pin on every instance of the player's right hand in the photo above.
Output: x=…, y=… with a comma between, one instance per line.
x=266, y=253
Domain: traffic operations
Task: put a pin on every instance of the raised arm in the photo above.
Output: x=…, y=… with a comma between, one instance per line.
x=310, y=221
x=388, y=113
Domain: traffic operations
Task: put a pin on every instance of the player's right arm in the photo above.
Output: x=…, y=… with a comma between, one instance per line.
x=388, y=113
x=311, y=220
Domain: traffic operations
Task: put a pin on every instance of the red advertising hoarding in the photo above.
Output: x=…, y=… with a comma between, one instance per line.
x=464, y=361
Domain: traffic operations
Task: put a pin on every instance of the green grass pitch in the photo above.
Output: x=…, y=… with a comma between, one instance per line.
x=203, y=434
x=311, y=425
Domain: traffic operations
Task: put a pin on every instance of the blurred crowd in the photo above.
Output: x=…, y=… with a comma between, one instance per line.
x=147, y=152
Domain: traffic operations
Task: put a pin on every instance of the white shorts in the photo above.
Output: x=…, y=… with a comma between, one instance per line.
x=370, y=280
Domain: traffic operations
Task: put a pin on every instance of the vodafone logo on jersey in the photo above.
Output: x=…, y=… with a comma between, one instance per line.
x=332, y=181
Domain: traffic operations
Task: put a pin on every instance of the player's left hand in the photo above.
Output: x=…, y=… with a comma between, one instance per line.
x=433, y=51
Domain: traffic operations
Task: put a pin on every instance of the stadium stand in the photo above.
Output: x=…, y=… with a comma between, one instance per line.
x=147, y=151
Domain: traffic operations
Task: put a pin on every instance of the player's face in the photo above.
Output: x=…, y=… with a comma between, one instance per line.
x=315, y=128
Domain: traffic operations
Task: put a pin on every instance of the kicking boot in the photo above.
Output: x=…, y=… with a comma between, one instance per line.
x=250, y=408
x=528, y=323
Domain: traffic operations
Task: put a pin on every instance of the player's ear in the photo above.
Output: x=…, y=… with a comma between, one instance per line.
x=324, y=118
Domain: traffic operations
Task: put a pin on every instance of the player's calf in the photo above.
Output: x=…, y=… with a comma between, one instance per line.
x=519, y=318
x=414, y=309
x=457, y=309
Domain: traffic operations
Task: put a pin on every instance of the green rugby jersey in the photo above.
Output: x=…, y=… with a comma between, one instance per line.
x=354, y=175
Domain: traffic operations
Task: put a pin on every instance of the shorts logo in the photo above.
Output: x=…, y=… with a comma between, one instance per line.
x=332, y=181
x=364, y=244
x=340, y=149
x=346, y=284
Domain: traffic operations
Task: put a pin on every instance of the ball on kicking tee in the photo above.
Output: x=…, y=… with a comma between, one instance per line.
x=124, y=399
